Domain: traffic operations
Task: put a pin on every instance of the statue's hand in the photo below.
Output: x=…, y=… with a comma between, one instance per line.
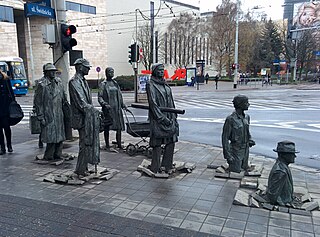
x=107, y=106
x=43, y=122
x=167, y=121
x=252, y=143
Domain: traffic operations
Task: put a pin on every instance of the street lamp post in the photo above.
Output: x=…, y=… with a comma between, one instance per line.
x=235, y=79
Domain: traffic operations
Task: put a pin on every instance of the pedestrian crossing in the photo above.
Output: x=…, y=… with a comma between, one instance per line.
x=254, y=104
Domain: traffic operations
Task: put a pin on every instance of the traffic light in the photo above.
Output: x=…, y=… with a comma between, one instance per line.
x=134, y=53
x=67, y=42
x=233, y=66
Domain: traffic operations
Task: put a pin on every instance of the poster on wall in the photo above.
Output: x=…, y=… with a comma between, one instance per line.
x=142, y=82
x=306, y=15
x=191, y=73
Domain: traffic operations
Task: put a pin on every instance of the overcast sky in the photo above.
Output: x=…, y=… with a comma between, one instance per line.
x=272, y=7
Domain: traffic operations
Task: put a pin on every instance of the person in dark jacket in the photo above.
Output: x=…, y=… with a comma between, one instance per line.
x=111, y=101
x=6, y=97
x=164, y=128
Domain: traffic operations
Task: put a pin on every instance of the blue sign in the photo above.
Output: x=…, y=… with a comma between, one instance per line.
x=317, y=53
x=32, y=9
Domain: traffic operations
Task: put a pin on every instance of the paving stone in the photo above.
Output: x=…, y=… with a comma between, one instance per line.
x=310, y=206
x=306, y=198
x=207, y=228
x=300, y=190
x=212, y=166
x=161, y=175
x=295, y=233
x=283, y=209
x=267, y=206
x=248, y=184
x=230, y=232
x=234, y=175
x=299, y=212
x=145, y=170
x=253, y=202
x=220, y=170
x=278, y=231
x=241, y=198
x=258, y=198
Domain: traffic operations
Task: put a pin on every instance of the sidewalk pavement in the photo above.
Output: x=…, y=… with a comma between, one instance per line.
x=131, y=204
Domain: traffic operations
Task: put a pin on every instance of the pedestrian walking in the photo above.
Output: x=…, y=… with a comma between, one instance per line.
x=6, y=97
x=216, y=79
x=206, y=78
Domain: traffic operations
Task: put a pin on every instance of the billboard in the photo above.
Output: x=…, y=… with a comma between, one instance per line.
x=306, y=15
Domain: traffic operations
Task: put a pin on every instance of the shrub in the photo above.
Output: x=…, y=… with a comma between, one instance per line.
x=125, y=82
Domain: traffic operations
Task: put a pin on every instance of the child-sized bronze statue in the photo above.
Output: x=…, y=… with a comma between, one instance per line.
x=280, y=185
x=236, y=138
x=164, y=128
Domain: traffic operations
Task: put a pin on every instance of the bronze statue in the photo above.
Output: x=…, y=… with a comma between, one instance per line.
x=85, y=118
x=164, y=128
x=280, y=185
x=49, y=101
x=236, y=138
x=111, y=101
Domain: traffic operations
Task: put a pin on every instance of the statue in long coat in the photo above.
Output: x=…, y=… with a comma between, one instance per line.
x=50, y=100
x=85, y=118
x=111, y=101
x=164, y=128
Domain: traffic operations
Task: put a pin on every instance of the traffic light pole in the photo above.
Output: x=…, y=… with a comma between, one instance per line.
x=61, y=60
x=135, y=64
x=235, y=79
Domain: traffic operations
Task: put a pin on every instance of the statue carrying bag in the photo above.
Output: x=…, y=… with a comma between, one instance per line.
x=34, y=123
x=15, y=111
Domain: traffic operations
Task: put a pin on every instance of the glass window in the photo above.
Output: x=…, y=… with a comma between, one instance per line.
x=73, y=6
x=6, y=14
x=88, y=9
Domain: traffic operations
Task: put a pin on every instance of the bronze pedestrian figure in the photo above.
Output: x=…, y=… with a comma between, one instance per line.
x=49, y=102
x=280, y=185
x=236, y=137
x=111, y=101
x=85, y=118
x=164, y=128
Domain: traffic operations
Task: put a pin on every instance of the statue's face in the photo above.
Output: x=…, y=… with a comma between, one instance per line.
x=160, y=71
x=85, y=70
x=288, y=157
x=110, y=73
x=50, y=74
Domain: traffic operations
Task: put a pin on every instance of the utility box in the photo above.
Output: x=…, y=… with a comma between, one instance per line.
x=48, y=34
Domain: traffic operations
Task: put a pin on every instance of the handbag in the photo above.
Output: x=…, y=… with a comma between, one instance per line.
x=34, y=123
x=15, y=111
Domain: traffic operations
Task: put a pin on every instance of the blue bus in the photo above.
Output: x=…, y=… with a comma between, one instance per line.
x=17, y=74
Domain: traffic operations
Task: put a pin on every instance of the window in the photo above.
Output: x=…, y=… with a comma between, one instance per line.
x=80, y=7
x=87, y=9
x=6, y=14
x=72, y=6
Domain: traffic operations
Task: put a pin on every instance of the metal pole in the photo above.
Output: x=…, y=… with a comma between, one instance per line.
x=295, y=61
x=135, y=64
x=236, y=48
x=31, y=53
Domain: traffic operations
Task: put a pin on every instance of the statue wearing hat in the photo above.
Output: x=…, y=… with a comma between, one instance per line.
x=49, y=102
x=236, y=137
x=164, y=128
x=280, y=185
x=85, y=118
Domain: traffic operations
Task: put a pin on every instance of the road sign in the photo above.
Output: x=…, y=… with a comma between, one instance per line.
x=98, y=69
x=32, y=9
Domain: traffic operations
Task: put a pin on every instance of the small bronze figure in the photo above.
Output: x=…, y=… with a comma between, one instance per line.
x=49, y=100
x=236, y=137
x=164, y=128
x=85, y=118
x=280, y=185
x=111, y=101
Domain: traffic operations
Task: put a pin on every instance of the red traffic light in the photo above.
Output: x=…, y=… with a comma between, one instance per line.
x=68, y=30
x=67, y=42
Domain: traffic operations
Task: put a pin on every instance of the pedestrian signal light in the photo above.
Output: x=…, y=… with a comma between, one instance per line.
x=67, y=42
x=233, y=66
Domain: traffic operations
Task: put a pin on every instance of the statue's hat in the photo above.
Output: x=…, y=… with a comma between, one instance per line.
x=286, y=147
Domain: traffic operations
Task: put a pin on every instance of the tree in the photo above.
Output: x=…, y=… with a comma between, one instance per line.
x=144, y=35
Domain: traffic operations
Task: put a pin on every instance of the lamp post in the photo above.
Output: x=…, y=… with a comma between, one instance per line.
x=236, y=48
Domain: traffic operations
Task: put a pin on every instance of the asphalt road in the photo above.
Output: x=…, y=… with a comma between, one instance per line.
x=276, y=114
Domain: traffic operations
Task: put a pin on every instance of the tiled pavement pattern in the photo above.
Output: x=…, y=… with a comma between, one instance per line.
x=195, y=201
